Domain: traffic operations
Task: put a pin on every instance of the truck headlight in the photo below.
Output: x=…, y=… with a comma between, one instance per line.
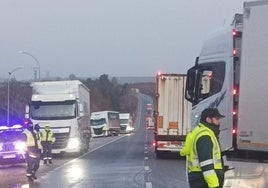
x=73, y=143
x=129, y=128
x=19, y=145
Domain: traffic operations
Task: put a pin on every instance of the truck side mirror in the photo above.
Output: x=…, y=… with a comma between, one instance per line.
x=190, y=84
x=81, y=109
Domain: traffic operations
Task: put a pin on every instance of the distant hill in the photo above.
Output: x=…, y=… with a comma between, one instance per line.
x=120, y=80
x=132, y=80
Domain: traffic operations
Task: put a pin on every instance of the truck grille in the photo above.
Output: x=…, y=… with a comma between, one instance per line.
x=123, y=127
x=98, y=131
x=8, y=147
x=61, y=140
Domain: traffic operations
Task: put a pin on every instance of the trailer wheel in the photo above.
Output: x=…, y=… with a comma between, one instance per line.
x=158, y=154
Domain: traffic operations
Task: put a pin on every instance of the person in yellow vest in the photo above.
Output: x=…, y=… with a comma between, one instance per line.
x=203, y=152
x=33, y=152
x=47, y=139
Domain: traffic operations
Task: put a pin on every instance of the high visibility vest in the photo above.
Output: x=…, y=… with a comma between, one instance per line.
x=47, y=136
x=30, y=142
x=190, y=151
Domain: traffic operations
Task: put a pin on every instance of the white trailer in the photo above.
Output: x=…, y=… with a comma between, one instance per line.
x=172, y=113
x=126, y=123
x=104, y=123
x=65, y=106
x=235, y=61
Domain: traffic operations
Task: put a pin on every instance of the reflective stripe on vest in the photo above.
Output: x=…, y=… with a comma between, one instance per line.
x=30, y=139
x=193, y=162
x=47, y=136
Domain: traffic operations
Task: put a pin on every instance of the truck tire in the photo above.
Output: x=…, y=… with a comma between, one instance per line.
x=158, y=154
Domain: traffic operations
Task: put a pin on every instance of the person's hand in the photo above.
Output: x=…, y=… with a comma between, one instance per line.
x=226, y=168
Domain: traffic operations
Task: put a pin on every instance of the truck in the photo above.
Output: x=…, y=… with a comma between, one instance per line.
x=149, y=122
x=65, y=106
x=230, y=74
x=105, y=123
x=126, y=123
x=172, y=114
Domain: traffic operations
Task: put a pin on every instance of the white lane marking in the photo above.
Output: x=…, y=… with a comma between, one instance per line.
x=104, y=145
x=146, y=158
x=85, y=154
x=146, y=148
x=146, y=168
x=146, y=152
x=148, y=185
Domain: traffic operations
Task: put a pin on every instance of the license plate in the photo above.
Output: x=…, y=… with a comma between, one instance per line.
x=9, y=156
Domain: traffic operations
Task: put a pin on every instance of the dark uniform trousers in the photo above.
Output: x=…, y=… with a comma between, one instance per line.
x=47, y=150
x=33, y=161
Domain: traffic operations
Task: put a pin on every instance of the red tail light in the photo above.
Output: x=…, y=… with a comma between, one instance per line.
x=234, y=131
x=234, y=52
x=154, y=143
x=234, y=91
x=237, y=33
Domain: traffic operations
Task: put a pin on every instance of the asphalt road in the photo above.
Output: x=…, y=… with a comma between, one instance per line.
x=124, y=161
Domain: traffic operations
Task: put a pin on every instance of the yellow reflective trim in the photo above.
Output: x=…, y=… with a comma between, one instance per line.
x=193, y=162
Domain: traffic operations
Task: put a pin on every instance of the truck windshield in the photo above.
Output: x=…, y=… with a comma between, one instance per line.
x=53, y=110
x=97, y=121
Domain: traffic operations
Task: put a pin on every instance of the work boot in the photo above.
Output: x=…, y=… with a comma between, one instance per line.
x=50, y=161
x=34, y=177
x=30, y=179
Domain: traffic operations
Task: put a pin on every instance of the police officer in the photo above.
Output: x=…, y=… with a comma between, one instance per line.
x=47, y=139
x=33, y=153
x=203, y=152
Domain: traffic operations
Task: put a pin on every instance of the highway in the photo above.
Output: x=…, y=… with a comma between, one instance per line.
x=126, y=161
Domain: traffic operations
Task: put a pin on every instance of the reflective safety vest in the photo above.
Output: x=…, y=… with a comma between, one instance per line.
x=30, y=142
x=190, y=151
x=47, y=136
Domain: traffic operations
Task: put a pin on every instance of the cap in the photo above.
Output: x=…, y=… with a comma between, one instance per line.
x=211, y=112
x=47, y=126
x=37, y=126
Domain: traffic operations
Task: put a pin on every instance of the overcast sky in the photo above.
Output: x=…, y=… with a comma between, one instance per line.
x=115, y=37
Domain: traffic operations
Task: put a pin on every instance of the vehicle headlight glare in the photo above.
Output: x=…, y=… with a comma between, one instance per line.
x=73, y=143
x=20, y=146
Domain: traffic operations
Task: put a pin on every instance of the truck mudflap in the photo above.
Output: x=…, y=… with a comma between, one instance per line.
x=172, y=146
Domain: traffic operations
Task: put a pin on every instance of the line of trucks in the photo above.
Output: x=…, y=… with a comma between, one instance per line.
x=65, y=106
x=230, y=74
x=106, y=123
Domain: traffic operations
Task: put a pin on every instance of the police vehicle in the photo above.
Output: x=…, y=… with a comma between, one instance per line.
x=12, y=148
